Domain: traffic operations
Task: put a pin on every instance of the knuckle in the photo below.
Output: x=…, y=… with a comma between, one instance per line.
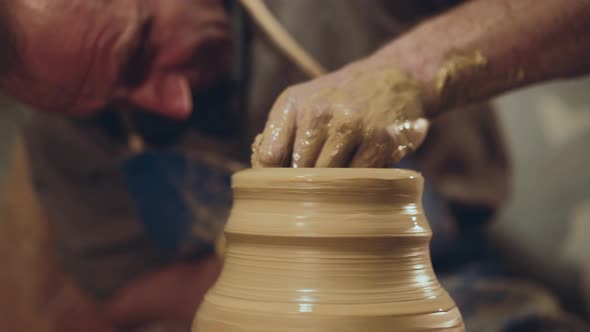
x=345, y=122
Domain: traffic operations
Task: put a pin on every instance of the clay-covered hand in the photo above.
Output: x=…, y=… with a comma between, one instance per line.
x=76, y=56
x=358, y=116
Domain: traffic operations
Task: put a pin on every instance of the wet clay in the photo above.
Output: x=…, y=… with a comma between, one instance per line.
x=464, y=77
x=322, y=249
x=369, y=112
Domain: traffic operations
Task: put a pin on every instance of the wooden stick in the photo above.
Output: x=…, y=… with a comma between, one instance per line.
x=282, y=39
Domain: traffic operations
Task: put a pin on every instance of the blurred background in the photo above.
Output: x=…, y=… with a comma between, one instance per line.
x=545, y=228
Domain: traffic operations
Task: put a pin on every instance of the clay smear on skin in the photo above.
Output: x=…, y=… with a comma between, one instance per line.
x=327, y=250
x=367, y=103
x=359, y=110
x=465, y=77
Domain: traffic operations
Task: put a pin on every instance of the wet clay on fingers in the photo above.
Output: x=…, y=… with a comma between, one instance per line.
x=359, y=117
x=327, y=250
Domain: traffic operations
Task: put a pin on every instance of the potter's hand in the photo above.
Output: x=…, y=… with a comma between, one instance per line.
x=358, y=116
x=75, y=56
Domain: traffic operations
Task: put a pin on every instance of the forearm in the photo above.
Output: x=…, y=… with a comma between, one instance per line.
x=486, y=47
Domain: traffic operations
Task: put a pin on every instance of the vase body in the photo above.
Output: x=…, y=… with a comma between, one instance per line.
x=327, y=250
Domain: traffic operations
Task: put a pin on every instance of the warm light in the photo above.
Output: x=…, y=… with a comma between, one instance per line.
x=305, y=307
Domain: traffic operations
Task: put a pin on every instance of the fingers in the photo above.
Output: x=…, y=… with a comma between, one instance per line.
x=385, y=147
x=407, y=136
x=310, y=137
x=374, y=151
x=323, y=138
x=273, y=147
x=330, y=141
x=326, y=134
x=343, y=137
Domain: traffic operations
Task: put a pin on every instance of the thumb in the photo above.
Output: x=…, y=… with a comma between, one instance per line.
x=167, y=94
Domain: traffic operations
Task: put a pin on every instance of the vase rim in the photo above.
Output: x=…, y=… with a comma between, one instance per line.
x=280, y=177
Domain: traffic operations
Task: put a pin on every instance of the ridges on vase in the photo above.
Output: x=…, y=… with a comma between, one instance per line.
x=327, y=250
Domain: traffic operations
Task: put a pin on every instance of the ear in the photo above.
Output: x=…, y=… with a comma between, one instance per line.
x=167, y=94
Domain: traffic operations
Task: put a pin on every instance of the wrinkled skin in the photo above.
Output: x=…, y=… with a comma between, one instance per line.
x=76, y=56
x=359, y=116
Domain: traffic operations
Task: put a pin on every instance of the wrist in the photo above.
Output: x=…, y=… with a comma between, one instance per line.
x=421, y=69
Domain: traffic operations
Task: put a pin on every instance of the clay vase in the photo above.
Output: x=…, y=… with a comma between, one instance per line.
x=327, y=250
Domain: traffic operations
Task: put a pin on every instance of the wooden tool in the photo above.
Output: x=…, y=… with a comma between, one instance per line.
x=281, y=38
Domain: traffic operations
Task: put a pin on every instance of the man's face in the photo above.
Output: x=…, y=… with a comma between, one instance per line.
x=78, y=55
